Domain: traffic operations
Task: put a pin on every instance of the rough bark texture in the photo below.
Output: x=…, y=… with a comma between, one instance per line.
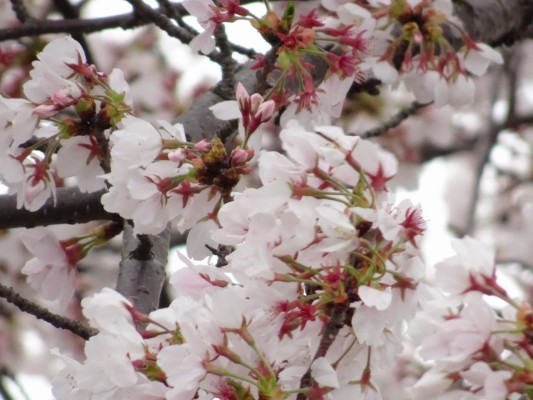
x=142, y=269
x=496, y=22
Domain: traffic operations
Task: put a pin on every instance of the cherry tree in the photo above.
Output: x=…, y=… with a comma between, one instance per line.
x=303, y=275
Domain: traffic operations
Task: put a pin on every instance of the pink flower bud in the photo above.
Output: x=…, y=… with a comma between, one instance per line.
x=203, y=146
x=256, y=100
x=46, y=110
x=266, y=110
x=241, y=93
x=177, y=155
x=63, y=99
x=240, y=156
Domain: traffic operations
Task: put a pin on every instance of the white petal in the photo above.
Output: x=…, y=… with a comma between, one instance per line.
x=226, y=110
x=380, y=299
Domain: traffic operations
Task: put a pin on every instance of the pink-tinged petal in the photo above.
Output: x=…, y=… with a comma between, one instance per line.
x=462, y=91
x=296, y=142
x=197, y=239
x=241, y=93
x=266, y=110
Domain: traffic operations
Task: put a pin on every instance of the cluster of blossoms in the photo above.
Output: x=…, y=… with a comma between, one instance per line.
x=158, y=177
x=312, y=300
x=476, y=351
x=391, y=40
x=412, y=46
x=61, y=82
x=323, y=272
x=52, y=272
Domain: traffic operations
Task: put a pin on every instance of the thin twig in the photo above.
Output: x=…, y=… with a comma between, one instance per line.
x=59, y=321
x=158, y=17
x=395, y=120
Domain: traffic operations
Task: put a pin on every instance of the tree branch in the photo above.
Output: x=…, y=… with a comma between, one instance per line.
x=71, y=207
x=226, y=62
x=331, y=329
x=496, y=22
x=21, y=11
x=73, y=26
x=59, y=321
x=142, y=269
x=159, y=18
x=394, y=121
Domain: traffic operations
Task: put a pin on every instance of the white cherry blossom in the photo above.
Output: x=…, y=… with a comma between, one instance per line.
x=51, y=271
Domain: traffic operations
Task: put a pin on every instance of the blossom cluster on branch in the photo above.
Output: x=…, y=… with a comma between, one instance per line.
x=314, y=283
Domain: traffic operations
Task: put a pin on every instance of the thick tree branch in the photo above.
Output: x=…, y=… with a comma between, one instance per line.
x=21, y=11
x=59, y=321
x=73, y=26
x=142, y=269
x=72, y=207
x=496, y=22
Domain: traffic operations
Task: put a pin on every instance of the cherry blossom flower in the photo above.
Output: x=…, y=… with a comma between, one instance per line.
x=135, y=145
x=108, y=312
x=52, y=272
x=473, y=265
x=51, y=73
x=459, y=339
x=17, y=120
x=478, y=58
x=79, y=157
x=252, y=111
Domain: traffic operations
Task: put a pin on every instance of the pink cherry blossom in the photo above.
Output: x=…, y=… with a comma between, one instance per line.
x=52, y=272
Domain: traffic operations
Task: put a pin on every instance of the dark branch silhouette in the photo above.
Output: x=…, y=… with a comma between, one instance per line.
x=36, y=310
x=394, y=121
x=71, y=207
